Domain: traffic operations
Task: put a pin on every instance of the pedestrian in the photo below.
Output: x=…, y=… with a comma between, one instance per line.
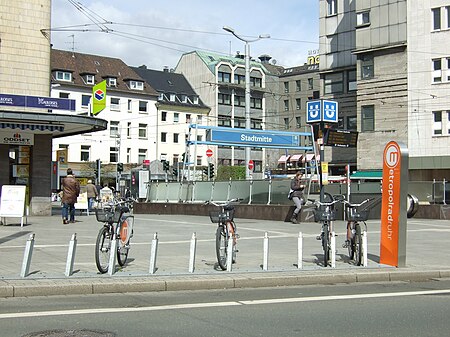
x=70, y=193
x=296, y=195
x=91, y=194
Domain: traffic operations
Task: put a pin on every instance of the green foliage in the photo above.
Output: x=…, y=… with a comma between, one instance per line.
x=233, y=172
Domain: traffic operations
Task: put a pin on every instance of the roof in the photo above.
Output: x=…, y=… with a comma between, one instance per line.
x=100, y=66
x=304, y=69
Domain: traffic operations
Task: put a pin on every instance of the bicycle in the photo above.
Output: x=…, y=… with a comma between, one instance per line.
x=118, y=223
x=324, y=213
x=354, y=240
x=226, y=228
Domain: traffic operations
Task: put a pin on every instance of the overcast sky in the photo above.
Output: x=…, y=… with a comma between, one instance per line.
x=157, y=33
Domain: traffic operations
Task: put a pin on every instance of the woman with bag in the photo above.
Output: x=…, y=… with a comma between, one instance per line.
x=296, y=195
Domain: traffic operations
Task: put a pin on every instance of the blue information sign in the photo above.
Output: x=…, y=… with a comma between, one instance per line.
x=321, y=111
x=257, y=139
x=330, y=111
x=37, y=102
x=313, y=111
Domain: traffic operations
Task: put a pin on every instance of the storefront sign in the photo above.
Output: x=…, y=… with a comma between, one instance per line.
x=37, y=102
x=15, y=137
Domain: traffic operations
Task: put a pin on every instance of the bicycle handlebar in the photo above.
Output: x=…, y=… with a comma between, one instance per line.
x=224, y=204
x=354, y=204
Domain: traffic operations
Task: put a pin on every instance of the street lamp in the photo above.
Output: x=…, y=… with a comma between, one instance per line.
x=247, y=87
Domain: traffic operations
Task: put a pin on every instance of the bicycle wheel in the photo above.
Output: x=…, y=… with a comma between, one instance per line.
x=221, y=246
x=358, y=245
x=232, y=230
x=326, y=244
x=124, y=240
x=350, y=243
x=103, y=249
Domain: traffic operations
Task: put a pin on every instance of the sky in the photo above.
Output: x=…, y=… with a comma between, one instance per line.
x=158, y=33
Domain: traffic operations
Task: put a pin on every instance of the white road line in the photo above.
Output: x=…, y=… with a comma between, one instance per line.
x=220, y=304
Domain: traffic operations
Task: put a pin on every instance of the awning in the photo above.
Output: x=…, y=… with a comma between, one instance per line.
x=370, y=175
x=283, y=159
x=295, y=157
x=308, y=157
x=32, y=127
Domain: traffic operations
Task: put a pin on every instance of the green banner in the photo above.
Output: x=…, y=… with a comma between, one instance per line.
x=98, y=98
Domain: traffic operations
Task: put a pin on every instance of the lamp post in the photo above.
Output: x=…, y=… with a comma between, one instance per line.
x=247, y=88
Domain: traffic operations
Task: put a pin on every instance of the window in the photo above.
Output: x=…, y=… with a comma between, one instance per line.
x=113, y=154
x=175, y=160
x=286, y=123
x=224, y=121
x=114, y=129
x=142, y=106
x=437, y=70
x=199, y=138
x=128, y=155
x=437, y=125
x=183, y=98
x=310, y=83
x=448, y=16
x=298, y=103
x=199, y=160
x=163, y=116
x=199, y=119
x=64, y=76
x=331, y=7
x=136, y=85
x=142, y=155
x=286, y=105
x=256, y=82
x=172, y=97
x=256, y=103
x=115, y=104
x=176, y=117
x=286, y=86
x=63, y=95
x=85, y=151
x=363, y=18
x=224, y=99
x=239, y=79
x=298, y=122
x=239, y=100
x=112, y=82
x=163, y=137
x=367, y=67
x=89, y=79
x=188, y=118
x=176, y=136
x=351, y=123
x=142, y=131
x=333, y=83
x=129, y=130
x=351, y=80
x=367, y=118
x=195, y=99
x=298, y=85
x=224, y=77
x=448, y=122
x=436, y=12
x=85, y=100
x=129, y=105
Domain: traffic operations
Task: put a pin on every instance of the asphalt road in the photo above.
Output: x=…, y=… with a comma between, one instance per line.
x=376, y=309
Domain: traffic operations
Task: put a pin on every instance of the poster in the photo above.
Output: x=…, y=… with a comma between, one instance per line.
x=12, y=203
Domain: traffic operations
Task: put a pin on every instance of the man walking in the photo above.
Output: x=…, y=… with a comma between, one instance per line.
x=70, y=192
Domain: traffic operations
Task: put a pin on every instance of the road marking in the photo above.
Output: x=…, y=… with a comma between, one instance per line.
x=220, y=304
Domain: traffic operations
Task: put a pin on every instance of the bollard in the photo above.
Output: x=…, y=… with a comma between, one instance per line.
x=71, y=255
x=266, y=252
x=230, y=253
x=333, y=250
x=364, y=246
x=112, y=256
x=300, y=251
x=153, y=253
x=27, y=256
x=192, y=253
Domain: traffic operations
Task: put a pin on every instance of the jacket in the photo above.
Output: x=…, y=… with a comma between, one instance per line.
x=91, y=191
x=71, y=190
x=297, y=187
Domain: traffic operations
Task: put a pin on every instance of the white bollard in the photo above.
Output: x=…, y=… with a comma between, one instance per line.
x=192, y=253
x=364, y=246
x=333, y=250
x=153, y=253
x=71, y=255
x=112, y=256
x=230, y=253
x=27, y=256
x=266, y=252
x=300, y=251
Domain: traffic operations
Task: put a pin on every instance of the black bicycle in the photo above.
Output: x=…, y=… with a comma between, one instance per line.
x=226, y=229
x=117, y=222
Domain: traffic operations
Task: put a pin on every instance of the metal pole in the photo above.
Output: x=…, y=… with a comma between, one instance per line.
x=153, y=253
x=71, y=255
x=300, y=251
x=333, y=250
x=364, y=244
x=266, y=252
x=27, y=256
x=192, y=253
x=247, y=105
x=112, y=256
x=230, y=253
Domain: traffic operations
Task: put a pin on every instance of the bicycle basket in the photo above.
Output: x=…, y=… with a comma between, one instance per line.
x=358, y=216
x=322, y=215
x=217, y=217
x=107, y=215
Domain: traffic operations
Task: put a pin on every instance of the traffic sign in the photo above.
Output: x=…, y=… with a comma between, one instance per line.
x=313, y=111
x=251, y=165
x=330, y=111
x=321, y=111
x=209, y=153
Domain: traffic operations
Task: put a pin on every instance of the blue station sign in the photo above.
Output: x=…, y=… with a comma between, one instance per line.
x=37, y=102
x=251, y=138
x=321, y=111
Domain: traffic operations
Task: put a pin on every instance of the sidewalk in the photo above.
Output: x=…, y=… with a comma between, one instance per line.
x=426, y=247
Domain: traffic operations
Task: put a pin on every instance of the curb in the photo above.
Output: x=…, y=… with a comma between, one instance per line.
x=86, y=286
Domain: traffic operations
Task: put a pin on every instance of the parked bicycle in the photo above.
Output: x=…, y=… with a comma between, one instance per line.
x=226, y=229
x=354, y=240
x=117, y=222
x=325, y=213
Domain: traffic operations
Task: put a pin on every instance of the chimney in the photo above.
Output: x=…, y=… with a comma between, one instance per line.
x=239, y=56
x=166, y=69
x=265, y=58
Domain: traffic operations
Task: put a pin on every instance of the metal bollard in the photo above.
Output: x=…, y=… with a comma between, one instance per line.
x=27, y=256
x=192, y=253
x=266, y=252
x=333, y=250
x=364, y=244
x=112, y=256
x=153, y=253
x=230, y=253
x=71, y=255
x=300, y=251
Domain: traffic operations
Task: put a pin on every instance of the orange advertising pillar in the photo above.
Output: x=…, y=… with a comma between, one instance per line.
x=393, y=206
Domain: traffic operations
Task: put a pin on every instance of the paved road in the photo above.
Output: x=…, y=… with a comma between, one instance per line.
x=426, y=248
